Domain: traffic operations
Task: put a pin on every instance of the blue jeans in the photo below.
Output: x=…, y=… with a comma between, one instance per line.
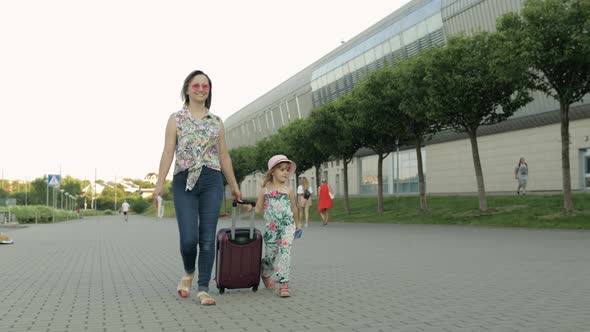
x=197, y=212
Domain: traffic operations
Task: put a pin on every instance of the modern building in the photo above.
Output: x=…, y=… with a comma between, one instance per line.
x=532, y=132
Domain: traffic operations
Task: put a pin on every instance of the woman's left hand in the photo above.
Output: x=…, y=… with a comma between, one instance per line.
x=236, y=195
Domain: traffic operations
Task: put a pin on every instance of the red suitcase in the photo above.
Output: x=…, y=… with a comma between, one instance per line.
x=239, y=251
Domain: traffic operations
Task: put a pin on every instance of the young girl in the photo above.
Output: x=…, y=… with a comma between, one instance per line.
x=280, y=211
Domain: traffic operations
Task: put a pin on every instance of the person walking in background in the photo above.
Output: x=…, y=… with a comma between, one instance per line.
x=160, y=206
x=125, y=209
x=278, y=201
x=521, y=173
x=197, y=138
x=304, y=193
x=324, y=201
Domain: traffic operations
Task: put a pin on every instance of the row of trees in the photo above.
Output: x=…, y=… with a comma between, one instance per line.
x=37, y=193
x=473, y=81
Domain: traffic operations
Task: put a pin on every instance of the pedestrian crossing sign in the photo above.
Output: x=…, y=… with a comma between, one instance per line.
x=53, y=180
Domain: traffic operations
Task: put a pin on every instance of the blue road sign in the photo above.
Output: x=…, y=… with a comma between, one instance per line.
x=53, y=180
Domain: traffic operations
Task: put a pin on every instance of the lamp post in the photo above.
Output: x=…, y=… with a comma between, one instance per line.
x=115, y=208
x=62, y=198
x=67, y=195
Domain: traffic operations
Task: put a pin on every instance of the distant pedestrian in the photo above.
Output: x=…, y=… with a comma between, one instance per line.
x=304, y=193
x=125, y=209
x=160, y=206
x=521, y=173
x=325, y=201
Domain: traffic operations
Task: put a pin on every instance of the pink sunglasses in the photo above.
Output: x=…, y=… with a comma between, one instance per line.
x=199, y=86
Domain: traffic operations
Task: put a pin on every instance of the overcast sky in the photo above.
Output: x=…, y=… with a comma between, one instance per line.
x=88, y=85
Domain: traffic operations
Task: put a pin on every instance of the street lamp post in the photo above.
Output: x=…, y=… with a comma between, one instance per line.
x=62, y=198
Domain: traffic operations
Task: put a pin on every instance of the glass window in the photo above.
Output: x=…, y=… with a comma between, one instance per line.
x=434, y=22
x=395, y=43
x=410, y=35
x=330, y=77
x=378, y=51
x=386, y=47
x=369, y=175
x=421, y=29
x=338, y=73
x=359, y=62
x=369, y=56
x=351, y=67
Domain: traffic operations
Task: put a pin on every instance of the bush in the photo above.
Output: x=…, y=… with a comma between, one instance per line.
x=139, y=205
x=39, y=213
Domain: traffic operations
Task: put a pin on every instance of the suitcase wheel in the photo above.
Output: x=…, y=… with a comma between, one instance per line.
x=221, y=290
x=255, y=288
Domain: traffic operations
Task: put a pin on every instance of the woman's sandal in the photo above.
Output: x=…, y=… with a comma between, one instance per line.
x=205, y=298
x=182, y=290
x=268, y=283
x=284, y=290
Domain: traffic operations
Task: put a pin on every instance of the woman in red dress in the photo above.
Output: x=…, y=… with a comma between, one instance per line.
x=324, y=201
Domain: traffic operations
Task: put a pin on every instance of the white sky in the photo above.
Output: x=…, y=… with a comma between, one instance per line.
x=89, y=85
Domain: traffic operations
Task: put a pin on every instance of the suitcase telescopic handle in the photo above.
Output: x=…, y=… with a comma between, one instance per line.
x=235, y=217
x=243, y=202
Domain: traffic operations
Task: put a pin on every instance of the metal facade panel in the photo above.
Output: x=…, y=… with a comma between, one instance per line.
x=477, y=15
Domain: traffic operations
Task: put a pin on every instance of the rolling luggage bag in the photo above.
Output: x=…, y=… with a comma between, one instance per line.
x=239, y=251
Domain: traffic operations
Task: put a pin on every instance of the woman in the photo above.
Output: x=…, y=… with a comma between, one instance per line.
x=196, y=137
x=304, y=193
x=324, y=201
x=521, y=173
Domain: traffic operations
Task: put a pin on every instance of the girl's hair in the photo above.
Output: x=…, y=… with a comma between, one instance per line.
x=268, y=176
x=304, y=183
x=187, y=81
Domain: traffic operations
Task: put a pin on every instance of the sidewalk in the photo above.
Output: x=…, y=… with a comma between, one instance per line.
x=101, y=274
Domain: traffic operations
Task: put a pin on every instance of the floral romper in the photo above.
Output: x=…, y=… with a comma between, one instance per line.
x=278, y=235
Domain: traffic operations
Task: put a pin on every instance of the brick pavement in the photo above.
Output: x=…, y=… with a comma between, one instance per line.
x=101, y=274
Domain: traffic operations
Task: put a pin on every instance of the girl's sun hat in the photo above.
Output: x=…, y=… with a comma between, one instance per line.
x=279, y=158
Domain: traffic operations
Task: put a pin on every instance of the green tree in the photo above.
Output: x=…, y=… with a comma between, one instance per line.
x=243, y=161
x=38, y=192
x=555, y=37
x=336, y=132
x=265, y=149
x=415, y=105
x=472, y=82
x=381, y=130
x=143, y=184
x=297, y=141
x=107, y=197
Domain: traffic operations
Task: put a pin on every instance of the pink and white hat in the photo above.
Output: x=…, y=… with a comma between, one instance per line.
x=279, y=158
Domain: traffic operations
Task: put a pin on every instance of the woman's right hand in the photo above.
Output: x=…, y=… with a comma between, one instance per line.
x=158, y=191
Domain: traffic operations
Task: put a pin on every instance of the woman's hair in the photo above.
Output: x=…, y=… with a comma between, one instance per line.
x=187, y=81
x=304, y=183
x=268, y=176
x=324, y=180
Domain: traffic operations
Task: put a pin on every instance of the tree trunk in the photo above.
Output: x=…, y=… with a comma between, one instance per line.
x=346, y=199
x=380, y=185
x=421, y=184
x=568, y=204
x=318, y=179
x=483, y=204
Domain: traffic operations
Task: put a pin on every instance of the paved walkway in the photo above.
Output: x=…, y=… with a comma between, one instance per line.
x=101, y=274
